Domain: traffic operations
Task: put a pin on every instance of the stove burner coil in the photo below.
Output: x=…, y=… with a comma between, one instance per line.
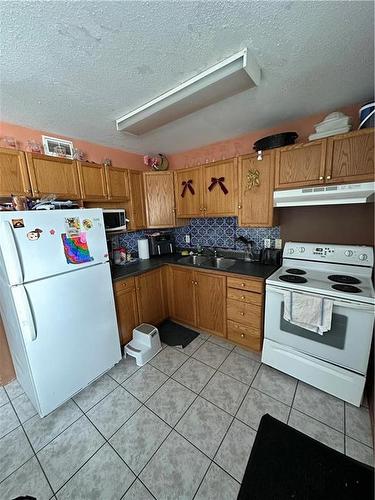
x=346, y=280
x=296, y=271
x=291, y=278
x=347, y=288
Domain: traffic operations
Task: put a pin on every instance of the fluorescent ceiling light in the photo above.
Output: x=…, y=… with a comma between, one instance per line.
x=229, y=77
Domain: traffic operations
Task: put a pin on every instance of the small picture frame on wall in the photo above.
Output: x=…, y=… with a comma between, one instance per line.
x=54, y=146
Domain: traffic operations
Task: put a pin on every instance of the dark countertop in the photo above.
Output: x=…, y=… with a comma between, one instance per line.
x=254, y=269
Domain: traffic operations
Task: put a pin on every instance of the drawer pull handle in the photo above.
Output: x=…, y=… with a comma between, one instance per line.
x=242, y=314
x=242, y=284
x=243, y=297
x=242, y=335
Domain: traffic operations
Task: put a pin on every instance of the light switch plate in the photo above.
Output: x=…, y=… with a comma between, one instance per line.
x=267, y=243
x=187, y=238
x=278, y=243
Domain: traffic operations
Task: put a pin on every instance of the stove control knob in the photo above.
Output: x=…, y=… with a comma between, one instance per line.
x=363, y=256
x=301, y=249
x=349, y=253
x=291, y=250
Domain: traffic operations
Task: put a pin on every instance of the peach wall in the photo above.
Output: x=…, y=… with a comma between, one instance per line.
x=95, y=152
x=244, y=144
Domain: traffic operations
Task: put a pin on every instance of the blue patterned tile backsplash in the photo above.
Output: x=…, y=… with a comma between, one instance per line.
x=212, y=232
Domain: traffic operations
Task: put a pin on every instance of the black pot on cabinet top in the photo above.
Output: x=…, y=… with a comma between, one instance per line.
x=275, y=141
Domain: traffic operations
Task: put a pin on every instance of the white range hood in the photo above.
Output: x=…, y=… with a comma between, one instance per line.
x=341, y=194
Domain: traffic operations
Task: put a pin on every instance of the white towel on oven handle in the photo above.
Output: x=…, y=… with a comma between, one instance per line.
x=311, y=312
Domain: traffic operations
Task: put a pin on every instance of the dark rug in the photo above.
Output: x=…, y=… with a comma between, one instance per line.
x=286, y=464
x=176, y=335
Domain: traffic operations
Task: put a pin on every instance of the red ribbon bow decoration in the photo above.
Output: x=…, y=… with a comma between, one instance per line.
x=187, y=185
x=219, y=181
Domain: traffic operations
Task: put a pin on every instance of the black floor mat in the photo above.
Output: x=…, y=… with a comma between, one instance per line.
x=176, y=335
x=285, y=464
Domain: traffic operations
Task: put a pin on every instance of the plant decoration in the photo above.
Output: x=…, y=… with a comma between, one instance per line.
x=220, y=182
x=159, y=162
x=253, y=179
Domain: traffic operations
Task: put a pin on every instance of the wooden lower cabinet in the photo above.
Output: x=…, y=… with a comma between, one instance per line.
x=182, y=294
x=150, y=297
x=126, y=308
x=210, y=299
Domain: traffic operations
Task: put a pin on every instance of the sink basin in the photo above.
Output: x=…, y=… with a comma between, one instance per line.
x=194, y=259
x=220, y=262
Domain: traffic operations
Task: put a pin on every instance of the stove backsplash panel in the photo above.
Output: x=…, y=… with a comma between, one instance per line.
x=212, y=232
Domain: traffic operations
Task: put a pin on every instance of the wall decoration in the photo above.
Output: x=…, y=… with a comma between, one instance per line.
x=252, y=179
x=76, y=249
x=187, y=185
x=159, y=162
x=34, y=235
x=218, y=181
x=57, y=147
x=17, y=223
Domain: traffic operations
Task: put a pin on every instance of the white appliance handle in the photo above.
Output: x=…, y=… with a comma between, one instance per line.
x=10, y=254
x=25, y=315
x=343, y=303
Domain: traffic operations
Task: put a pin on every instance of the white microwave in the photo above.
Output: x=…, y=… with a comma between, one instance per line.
x=114, y=219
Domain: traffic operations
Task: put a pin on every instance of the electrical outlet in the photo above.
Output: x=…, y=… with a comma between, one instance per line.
x=278, y=243
x=267, y=243
x=187, y=238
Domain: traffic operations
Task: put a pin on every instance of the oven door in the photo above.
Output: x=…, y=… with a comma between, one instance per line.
x=348, y=342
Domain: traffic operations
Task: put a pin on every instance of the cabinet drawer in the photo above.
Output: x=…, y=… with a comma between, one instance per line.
x=246, y=314
x=125, y=284
x=245, y=284
x=241, y=334
x=243, y=296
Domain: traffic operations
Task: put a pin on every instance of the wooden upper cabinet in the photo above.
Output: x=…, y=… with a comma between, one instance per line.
x=256, y=181
x=150, y=297
x=350, y=157
x=300, y=165
x=188, y=192
x=51, y=175
x=14, y=178
x=117, y=183
x=181, y=295
x=220, y=188
x=136, y=208
x=159, y=199
x=92, y=181
x=210, y=300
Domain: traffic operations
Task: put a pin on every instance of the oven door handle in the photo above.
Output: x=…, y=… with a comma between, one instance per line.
x=343, y=303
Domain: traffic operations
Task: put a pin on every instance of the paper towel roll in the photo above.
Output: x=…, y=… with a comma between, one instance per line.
x=143, y=251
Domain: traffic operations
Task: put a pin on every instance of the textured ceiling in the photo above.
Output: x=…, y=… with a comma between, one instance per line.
x=74, y=67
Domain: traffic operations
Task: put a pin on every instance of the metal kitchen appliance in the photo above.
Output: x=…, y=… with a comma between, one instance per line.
x=161, y=243
x=335, y=362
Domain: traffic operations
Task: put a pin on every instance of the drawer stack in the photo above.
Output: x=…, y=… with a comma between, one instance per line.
x=245, y=312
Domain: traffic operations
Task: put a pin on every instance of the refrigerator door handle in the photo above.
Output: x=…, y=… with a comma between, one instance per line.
x=10, y=254
x=25, y=314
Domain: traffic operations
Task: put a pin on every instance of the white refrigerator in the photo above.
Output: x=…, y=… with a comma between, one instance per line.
x=56, y=301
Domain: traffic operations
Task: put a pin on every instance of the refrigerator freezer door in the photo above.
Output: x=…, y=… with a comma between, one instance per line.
x=38, y=244
x=76, y=333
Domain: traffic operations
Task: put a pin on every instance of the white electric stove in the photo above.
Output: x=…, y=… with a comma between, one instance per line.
x=335, y=362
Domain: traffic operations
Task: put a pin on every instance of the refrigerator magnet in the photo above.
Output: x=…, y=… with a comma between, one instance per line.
x=76, y=249
x=72, y=226
x=52, y=232
x=34, y=235
x=87, y=224
x=17, y=223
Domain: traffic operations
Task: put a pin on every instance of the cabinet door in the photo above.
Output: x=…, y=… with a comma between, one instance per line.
x=300, y=165
x=117, y=183
x=181, y=293
x=188, y=192
x=92, y=181
x=127, y=313
x=137, y=213
x=220, y=188
x=350, y=157
x=14, y=178
x=256, y=181
x=50, y=175
x=159, y=198
x=210, y=302
x=150, y=297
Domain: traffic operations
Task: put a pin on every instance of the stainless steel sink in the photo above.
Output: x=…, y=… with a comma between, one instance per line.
x=194, y=259
x=220, y=262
